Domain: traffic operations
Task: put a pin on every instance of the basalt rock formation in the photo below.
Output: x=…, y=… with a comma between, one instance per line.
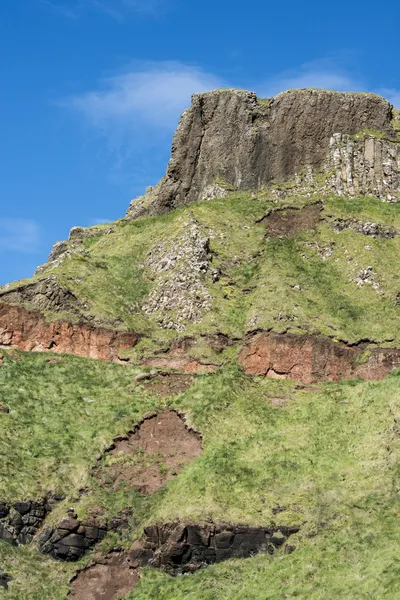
x=20, y=521
x=177, y=549
x=230, y=135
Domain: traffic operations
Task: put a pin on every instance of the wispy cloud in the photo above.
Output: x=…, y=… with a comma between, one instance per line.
x=116, y=9
x=136, y=112
x=19, y=235
x=324, y=73
x=153, y=93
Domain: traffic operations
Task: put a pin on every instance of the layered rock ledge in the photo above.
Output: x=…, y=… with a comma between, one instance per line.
x=29, y=331
x=231, y=135
x=308, y=358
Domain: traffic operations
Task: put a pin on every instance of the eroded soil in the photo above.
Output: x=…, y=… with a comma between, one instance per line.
x=289, y=221
x=111, y=577
x=169, y=384
x=148, y=457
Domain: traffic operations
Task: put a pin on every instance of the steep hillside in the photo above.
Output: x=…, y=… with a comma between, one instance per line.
x=209, y=386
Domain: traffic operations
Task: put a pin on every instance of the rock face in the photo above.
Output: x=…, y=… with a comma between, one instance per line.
x=71, y=539
x=310, y=359
x=176, y=549
x=181, y=549
x=20, y=521
x=45, y=295
x=370, y=165
x=231, y=135
x=28, y=330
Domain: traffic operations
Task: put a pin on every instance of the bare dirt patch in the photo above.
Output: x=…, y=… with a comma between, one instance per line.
x=111, y=578
x=169, y=384
x=146, y=458
x=289, y=221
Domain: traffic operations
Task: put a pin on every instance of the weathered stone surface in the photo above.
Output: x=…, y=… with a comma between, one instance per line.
x=28, y=330
x=19, y=522
x=368, y=228
x=178, y=267
x=308, y=358
x=370, y=165
x=44, y=295
x=177, y=549
x=72, y=538
x=4, y=580
x=230, y=135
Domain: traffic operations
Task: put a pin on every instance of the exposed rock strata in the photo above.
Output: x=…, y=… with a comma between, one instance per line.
x=28, y=330
x=44, y=295
x=230, y=135
x=368, y=228
x=309, y=359
x=177, y=549
x=367, y=166
x=72, y=538
x=20, y=521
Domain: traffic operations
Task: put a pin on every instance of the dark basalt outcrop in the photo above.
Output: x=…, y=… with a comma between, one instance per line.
x=230, y=135
x=181, y=549
x=20, y=521
x=177, y=549
x=308, y=358
x=72, y=538
x=4, y=580
x=28, y=330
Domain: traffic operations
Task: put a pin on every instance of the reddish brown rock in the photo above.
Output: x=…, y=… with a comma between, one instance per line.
x=309, y=358
x=28, y=330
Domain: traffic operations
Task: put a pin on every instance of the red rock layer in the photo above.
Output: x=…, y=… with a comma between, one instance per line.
x=309, y=359
x=28, y=330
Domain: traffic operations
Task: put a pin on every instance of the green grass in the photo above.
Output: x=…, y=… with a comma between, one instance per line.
x=330, y=457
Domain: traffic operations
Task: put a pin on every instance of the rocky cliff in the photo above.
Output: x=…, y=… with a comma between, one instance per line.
x=233, y=137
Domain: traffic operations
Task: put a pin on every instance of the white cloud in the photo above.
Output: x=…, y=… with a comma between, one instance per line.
x=153, y=94
x=19, y=235
x=135, y=114
x=316, y=74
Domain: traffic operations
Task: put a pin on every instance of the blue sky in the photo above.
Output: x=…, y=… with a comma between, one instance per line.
x=91, y=92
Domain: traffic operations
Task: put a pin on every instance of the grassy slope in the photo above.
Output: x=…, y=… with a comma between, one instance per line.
x=258, y=277
x=329, y=456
